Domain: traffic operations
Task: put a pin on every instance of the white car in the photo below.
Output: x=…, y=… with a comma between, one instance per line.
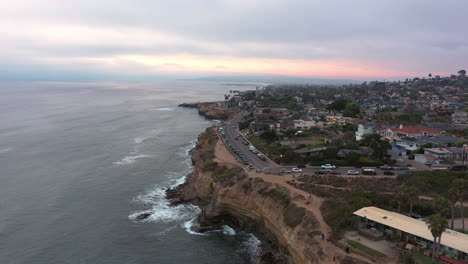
x=353, y=172
x=296, y=170
x=328, y=166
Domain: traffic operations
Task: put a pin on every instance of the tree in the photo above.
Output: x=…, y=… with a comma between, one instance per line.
x=338, y=105
x=437, y=225
x=378, y=145
x=401, y=195
x=412, y=194
x=352, y=157
x=430, y=75
x=441, y=205
x=453, y=199
x=459, y=187
x=351, y=109
x=462, y=73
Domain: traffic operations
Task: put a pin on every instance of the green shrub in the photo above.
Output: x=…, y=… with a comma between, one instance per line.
x=293, y=215
x=280, y=194
x=365, y=248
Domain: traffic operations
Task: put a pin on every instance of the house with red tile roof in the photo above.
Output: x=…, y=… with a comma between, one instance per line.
x=397, y=133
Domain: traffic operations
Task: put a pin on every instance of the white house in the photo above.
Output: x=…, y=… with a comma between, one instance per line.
x=362, y=131
x=304, y=124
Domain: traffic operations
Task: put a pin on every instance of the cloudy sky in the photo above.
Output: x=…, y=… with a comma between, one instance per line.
x=358, y=39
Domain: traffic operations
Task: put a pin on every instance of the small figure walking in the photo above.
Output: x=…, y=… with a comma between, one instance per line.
x=334, y=258
x=322, y=236
x=347, y=250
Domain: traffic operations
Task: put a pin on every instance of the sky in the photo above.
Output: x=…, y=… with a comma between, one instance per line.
x=352, y=39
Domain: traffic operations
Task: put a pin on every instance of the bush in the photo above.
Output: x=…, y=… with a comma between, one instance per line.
x=280, y=194
x=293, y=215
x=210, y=165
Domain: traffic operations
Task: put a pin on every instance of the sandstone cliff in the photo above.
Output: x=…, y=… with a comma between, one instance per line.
x=228, y=195
x=210, y=110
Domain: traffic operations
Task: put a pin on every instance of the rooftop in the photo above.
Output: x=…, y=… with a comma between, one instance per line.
x=450, y=238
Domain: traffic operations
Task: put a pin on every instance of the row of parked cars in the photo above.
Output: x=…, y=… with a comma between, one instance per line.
x=241, y=156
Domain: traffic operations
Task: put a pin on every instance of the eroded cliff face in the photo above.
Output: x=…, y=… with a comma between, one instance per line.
x=229, y=196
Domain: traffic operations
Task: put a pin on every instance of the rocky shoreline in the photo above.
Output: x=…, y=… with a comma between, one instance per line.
x=210, y=110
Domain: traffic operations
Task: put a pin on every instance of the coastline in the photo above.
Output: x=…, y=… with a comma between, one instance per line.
x=229, y=195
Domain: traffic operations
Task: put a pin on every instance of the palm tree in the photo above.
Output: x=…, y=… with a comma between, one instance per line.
x=401, y=195
x=460, y=186
x=412, y=194
x=453, y=199
x=437, y=225
x=441, y=205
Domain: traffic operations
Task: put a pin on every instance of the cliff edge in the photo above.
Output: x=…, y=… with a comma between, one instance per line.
x=228, y=194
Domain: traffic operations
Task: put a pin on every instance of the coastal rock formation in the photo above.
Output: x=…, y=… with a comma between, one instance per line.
x=227, y=195
x=210, y=110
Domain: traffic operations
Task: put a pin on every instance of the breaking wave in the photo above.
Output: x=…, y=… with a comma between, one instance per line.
x=164, y=109
x=161, y=210
x=152, y=134
x=130, y=159
x=252, y=246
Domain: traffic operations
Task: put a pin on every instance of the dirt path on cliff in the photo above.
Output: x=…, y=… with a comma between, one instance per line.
x=310, y=202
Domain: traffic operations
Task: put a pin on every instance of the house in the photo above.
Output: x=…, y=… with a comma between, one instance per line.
x=364, y=130
x=426, y=158
x=460, y=117
x=448, y=153
x=339, y=120
x=379, y=224
x=396, y=134
x=304, y=123
x=261, y=125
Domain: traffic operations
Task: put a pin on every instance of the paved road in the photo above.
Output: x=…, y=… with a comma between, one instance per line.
x=231, y=132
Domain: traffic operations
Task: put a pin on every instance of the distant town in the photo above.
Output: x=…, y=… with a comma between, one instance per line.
x=377, y=168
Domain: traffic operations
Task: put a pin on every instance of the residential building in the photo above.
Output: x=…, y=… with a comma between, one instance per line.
x=304, y=123
x=380, y=224
x=396, y=134
x=364, y=130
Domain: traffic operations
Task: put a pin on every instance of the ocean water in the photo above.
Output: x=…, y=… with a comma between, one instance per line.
x=79, y=161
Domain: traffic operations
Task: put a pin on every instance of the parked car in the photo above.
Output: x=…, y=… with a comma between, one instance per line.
x=388, y=173
x=328, y=166
x=323, y=171
x=458, y=167
x=296, y=170
x=335, y=172
x=260, y=156
x=353, y=172
x=387, y=167
x=286, y=171
x=369, y=172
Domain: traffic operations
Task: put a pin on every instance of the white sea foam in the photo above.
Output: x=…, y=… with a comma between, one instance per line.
x=227, y=230
x=252, y=246
x=152, y=134
x=130, y=159
x=161, y=210
x=5, y=150
x=164, y=109
x=188, y=227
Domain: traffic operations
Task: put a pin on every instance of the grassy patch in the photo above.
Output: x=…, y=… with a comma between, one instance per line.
x=293, y=215
x=366, y=249
x=280, y=194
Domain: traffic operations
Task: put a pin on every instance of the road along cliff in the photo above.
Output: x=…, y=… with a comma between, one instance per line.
x=230, y=195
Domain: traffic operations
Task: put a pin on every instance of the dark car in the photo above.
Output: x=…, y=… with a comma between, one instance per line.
x=387, y=167
x=458, y=167
x=388, y=173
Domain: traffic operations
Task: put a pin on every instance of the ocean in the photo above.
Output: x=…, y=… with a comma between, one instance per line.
x=79, y=161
